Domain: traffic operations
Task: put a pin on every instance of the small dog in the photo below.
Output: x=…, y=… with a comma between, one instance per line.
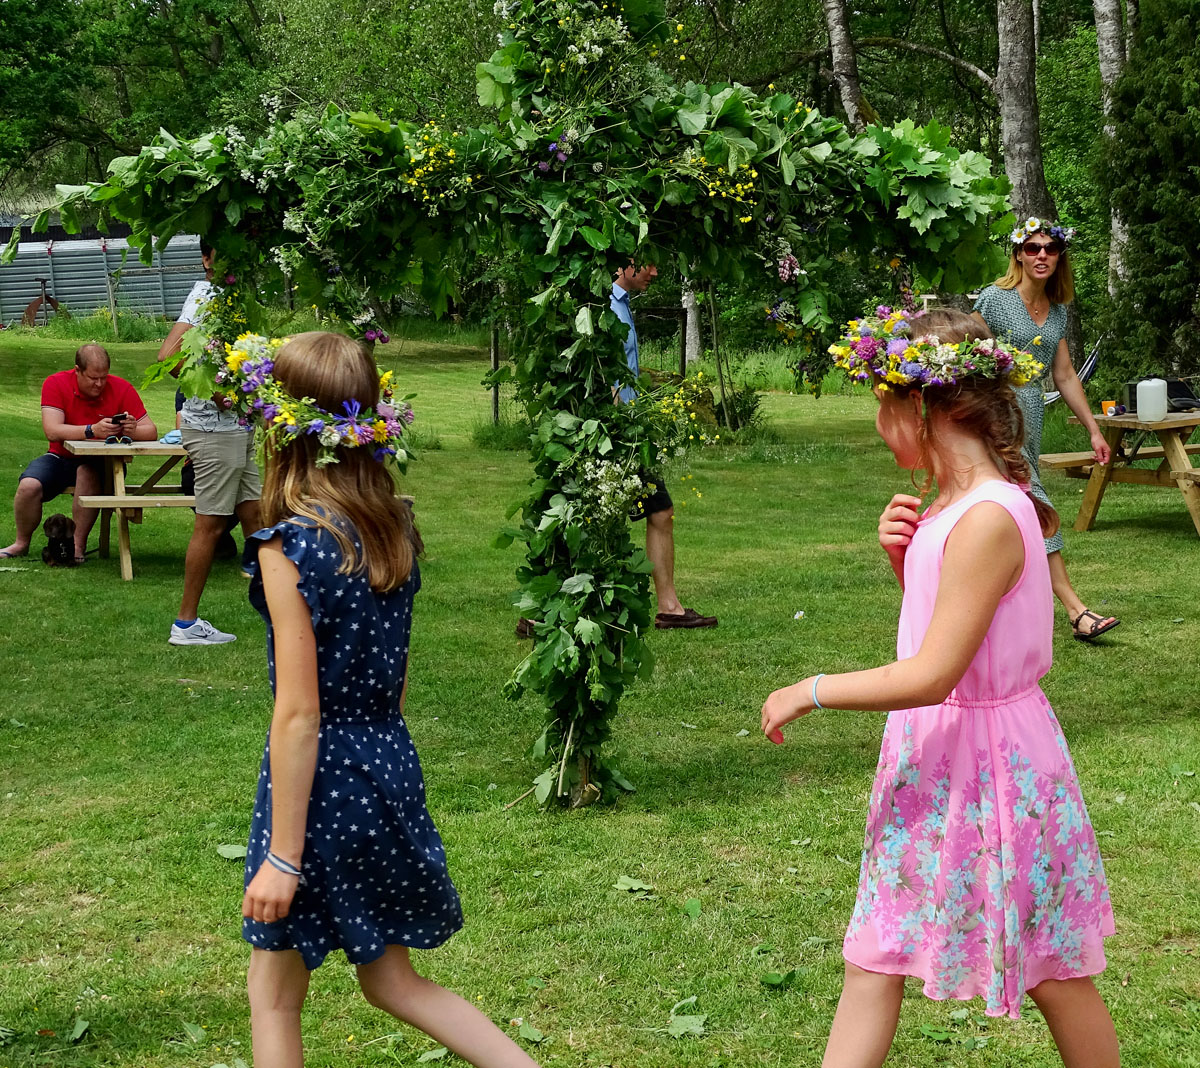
x=60, y=536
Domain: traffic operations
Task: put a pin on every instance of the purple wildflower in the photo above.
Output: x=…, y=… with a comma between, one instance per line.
x=896, y=346
x=867, y=347
x=883, y=311
x=543, y=166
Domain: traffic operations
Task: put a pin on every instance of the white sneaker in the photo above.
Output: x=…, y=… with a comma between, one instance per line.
x=202, y=632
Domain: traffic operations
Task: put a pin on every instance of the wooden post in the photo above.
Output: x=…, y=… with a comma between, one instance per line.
x=494, y=346
x=712, y=305
x=112, y=304
x=682, y=313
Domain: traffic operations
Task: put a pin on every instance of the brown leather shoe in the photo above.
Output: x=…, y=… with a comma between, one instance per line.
x=688, y=619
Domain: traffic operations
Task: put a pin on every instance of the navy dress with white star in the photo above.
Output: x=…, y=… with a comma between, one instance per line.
x=374, y=867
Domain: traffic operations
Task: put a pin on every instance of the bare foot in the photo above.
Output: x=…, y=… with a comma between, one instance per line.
x=15, y=549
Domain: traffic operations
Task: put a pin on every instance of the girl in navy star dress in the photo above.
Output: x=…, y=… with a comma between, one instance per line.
x=342, y=852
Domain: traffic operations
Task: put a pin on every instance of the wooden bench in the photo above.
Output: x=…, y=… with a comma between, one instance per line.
x=139, y=501
x=1079, y=464
x=1060, y=461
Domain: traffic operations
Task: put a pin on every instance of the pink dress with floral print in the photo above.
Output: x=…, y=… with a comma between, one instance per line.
x=980, y=871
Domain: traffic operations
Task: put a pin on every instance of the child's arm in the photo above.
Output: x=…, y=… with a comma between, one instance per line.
x=983, y=559
x=896, y=526
x=294, y=728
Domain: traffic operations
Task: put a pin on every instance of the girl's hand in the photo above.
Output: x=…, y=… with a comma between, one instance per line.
x=269, y=895
x=1100, y=447
x=785, y=705
x=897, y=523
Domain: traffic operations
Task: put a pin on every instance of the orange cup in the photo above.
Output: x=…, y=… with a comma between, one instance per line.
x=1108, y=407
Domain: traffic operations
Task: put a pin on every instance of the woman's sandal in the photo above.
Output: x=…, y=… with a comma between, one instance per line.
x=1100, y=625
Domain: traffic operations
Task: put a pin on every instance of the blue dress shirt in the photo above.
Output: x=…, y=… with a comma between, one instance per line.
x=620, y=307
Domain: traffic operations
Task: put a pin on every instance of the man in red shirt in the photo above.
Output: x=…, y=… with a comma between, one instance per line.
x=77, y=405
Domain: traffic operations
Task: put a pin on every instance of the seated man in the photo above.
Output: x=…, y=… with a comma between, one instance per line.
x=77, y=405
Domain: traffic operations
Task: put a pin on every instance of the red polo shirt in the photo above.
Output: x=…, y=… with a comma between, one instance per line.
x=61, y=391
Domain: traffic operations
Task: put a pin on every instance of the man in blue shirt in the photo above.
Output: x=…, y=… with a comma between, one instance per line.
x=656, y=507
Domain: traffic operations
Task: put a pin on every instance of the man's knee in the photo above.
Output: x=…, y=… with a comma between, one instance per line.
x=29, y=491
x=662, y=520
x=209, y=527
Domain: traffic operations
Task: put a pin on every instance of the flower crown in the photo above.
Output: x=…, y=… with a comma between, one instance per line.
x=879, y=349
x=1064, y=235
x=246, y=379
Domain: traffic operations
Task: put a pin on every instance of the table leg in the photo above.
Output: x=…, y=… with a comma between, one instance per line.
x=106, y=513
x=1098, y=481
x=1173, y=443
x=123, y=546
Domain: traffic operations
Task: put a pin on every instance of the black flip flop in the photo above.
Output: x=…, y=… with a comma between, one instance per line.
x=1098, y=625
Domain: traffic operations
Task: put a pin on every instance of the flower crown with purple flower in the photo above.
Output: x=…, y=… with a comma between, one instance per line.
x=246, y=379
x=887, y=349
x=1064, y=235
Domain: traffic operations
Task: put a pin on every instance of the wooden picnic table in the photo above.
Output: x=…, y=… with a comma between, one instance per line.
x=127, y=501
x=1174, y=454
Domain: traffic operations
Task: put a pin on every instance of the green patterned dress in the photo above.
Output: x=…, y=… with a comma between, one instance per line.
x=1007, y=317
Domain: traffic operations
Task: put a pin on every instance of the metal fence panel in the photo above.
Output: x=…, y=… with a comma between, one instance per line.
x=76, y=272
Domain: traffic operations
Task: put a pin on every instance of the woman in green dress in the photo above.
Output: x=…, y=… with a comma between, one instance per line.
x=1028, y=308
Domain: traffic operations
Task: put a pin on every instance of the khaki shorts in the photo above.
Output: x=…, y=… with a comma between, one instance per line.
x=226, y=473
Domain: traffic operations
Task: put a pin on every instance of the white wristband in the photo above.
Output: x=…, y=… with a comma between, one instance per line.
x=816, y=703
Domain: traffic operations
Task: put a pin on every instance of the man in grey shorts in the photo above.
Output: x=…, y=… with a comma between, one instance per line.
x=221, y=451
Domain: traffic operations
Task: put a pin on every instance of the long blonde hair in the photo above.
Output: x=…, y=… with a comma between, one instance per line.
x=1061, y=286
x=355, y=499
x=987, y=407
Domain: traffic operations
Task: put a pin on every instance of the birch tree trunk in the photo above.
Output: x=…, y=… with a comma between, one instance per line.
x=1020, y=123
x=845, y=66
x=1131, y=25
x=1021, y=130
x=1111, y=48
x=691, y=334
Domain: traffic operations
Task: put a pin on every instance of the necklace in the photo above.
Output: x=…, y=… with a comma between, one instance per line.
x=1034, y=306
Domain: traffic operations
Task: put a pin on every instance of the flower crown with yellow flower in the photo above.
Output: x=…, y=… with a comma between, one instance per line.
x=887, y=348
x=246, y=379
x=1064, y=235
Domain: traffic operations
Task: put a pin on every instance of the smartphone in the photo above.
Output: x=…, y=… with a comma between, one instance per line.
x=118, y=418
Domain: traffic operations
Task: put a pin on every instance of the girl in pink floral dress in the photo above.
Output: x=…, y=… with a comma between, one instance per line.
x=980, y=872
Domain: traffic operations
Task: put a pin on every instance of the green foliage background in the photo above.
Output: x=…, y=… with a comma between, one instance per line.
x=1152, y=177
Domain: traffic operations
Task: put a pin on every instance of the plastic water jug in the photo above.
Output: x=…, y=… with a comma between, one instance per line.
x=1151, y=399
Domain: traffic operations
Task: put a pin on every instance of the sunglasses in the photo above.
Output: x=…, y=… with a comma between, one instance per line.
x=1032, y=248
x=118, y=439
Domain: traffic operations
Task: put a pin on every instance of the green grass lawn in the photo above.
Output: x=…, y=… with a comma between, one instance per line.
x=126, y=762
